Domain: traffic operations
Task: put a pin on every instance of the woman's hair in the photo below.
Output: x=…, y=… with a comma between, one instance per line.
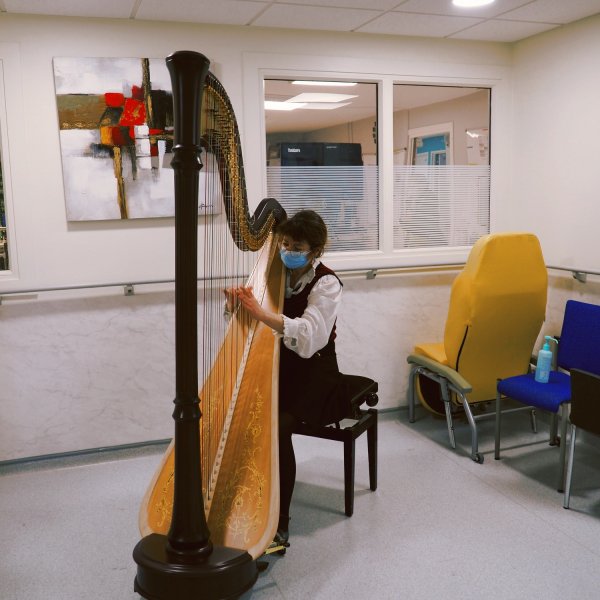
x=306, y=225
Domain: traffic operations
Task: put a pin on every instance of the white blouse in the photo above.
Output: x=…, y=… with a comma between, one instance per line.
x=309, y=333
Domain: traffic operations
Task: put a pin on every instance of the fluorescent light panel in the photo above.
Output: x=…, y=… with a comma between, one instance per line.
x=324, y=105
x=325, y=83
x=315, y=97
x=471, y=3
x=273, y=105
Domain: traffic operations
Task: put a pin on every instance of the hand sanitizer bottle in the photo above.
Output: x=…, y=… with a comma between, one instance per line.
x=544, y=361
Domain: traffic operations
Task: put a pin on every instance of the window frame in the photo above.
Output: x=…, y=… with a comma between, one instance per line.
x=10, y=117
x=258, y=67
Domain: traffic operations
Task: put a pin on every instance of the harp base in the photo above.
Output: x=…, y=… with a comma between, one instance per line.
x=223, y=575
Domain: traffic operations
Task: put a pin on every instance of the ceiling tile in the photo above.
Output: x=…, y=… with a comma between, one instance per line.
x=550, y=11
x=396, y=23
x=372, y=4
x=117, y=9
x=509, y=20
x=445, y=7
x=222, y=12
x=311, y=17
x=496, y=30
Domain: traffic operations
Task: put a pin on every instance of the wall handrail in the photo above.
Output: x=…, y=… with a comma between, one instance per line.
x=579, y=274
x=128, y=286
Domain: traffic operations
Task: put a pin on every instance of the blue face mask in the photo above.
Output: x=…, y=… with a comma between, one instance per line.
x=294, y=260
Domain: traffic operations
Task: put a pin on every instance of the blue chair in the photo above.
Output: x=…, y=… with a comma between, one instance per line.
x=577, y=349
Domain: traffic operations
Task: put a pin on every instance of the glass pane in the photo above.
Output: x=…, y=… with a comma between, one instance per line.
x=4, y=264
x=322, y=155
x=441, y=165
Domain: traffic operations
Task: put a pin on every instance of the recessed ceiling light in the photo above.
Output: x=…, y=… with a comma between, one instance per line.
x=273, y=105
x=327, y=83
x=316, y=97
x=471, y=3
x=324, y=105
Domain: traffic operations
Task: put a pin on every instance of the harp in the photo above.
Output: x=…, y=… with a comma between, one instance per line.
x=212, y=506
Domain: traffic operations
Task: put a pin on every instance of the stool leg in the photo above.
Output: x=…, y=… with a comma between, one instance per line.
x=349, y=454
x=372, y=452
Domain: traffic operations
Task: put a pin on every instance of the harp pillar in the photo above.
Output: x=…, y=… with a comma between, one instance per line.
x=184, y=565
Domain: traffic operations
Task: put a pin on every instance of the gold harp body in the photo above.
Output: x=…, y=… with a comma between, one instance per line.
x=238, y=397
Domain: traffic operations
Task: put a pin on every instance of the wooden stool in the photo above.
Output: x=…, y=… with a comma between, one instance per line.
x=361, y=390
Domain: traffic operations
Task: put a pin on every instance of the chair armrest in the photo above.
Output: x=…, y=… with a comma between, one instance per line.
x=457, y=380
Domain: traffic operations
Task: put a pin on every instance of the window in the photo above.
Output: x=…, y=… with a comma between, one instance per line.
x=321, y=141
x=405, y=95
x=4, y=262
x=5, y=205
x=322, y=153
x=9, y=104
x=441, y=166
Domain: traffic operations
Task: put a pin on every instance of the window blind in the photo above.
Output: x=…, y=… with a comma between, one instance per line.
x=345, y=197
x=437, y=206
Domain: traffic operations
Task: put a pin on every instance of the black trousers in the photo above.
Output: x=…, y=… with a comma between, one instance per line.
x=287, y=466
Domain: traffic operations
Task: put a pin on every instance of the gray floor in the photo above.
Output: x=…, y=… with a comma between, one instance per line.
x=439, y=527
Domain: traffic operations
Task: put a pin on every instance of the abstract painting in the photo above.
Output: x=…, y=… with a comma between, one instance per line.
x=116, y=136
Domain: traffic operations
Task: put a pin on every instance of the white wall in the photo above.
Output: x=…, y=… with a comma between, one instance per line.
x=85, y=372
x=556, y=179
x=62, y=387
x=82, y=373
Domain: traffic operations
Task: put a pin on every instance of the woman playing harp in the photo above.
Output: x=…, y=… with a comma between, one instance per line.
x=309, y=378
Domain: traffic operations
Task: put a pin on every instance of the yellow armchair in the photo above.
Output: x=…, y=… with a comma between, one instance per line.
x=497, y=307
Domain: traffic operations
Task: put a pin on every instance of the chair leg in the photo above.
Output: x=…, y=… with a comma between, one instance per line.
x=372, y=452
x=497, y=428
x=567, y=496
x=411, y=394
x=349, y=454
x=554, y=441
x=532, y=416
x=475, y=454
x=447, y=407
x=564, y=418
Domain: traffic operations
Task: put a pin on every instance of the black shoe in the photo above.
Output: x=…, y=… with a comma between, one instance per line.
x=280, y=543
x=282, y=537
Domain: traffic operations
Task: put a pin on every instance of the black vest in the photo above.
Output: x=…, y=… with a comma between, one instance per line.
x=308, y=386
x=295, y=306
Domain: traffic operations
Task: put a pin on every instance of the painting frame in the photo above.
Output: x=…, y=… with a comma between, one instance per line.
x=115, y=118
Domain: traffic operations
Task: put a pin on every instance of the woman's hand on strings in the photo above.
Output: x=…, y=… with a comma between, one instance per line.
x=246, y=298
x=231, y=301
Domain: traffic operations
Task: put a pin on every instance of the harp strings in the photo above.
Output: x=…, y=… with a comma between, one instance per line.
x=221, y=340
